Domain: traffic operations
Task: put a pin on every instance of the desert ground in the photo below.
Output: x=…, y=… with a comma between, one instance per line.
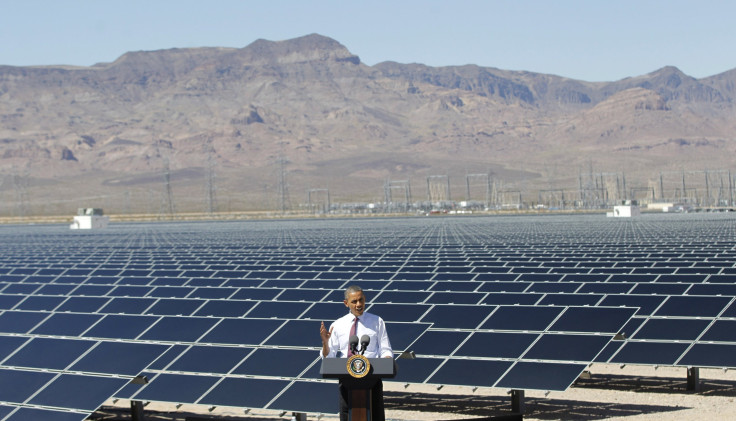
x=631, y=393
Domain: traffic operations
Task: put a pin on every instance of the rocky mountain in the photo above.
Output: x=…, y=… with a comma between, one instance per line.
x=189, y=126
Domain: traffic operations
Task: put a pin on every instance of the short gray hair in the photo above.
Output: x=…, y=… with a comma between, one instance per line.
x=352, y=289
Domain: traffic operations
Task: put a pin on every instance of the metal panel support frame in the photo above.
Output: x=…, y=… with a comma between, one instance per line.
x=517, y=401
x=693, y=379
x=136, y=411
x=298, y=416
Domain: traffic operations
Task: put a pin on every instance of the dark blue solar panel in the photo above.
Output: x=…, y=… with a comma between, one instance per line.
x=296, y=333
x=455, y=298
x=37, y=303
x=78, y=391
x=66, y=324
x=9, y=344
x=175, y=307
x=20, y=288
x=709, y=355
x=36, y=353
x=119, y=358
x=18, y=385
x=556, y=287
x=522, y=318
x=496, y=344
x=693, y=306
x=121, y=326
x=691, y=279
x=302, y=294
x=414, y=297
x=224, y=308
x=408, y=285
x=497, y=275
x=92, y=290
x=671, y=329
x=83, y=304
x=470, y=372
x=401, y=335
x=398, y=312
x=712, y=289
x=541, y=376
x=278, y=309
x=567, y=347
x=326, y=312
x=9, y=301
x=455, y=286
x=600, y=268
x=291, y=362
x=646, y=304
x=206, y=282
x=722, y=279
x=208, y=359
x=20, y=321
x=308, y=397
x=179, y=329
x=177, y=388
x=230, y=392
x=540, y=277
x=721, y=331
x=130, y=291
x=559, y=299
x=29, y=413
x=416, y=370
x=512, y=299
x=729, y=312
x=609, y=350
x=438, y=342
x=127, y=305
x=662, y=289
x=408, y=274
x=592, y=319
x=650, y=353
x=256, y=294
x=457, y=316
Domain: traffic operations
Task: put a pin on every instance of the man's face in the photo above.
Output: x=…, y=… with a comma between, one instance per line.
x=356, y=303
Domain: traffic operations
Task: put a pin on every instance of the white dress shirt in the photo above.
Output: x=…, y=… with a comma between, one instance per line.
x=368, y=324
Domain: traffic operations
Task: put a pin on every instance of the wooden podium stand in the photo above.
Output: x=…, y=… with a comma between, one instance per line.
x=358, y=383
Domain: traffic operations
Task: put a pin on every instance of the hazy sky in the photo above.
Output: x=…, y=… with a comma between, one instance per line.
x=593, y=40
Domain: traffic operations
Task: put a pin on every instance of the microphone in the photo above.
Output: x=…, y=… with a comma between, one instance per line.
x=364, y=341
x=354, y=344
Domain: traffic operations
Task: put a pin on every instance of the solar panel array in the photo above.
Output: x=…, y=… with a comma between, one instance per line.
x=227, y=314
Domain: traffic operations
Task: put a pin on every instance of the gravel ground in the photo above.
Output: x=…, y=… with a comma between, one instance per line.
x=631, y=393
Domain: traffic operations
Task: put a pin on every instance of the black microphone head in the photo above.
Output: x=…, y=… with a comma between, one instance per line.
x=364, y=341
x=353, y=342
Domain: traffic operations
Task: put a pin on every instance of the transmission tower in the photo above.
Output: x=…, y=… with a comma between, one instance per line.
x=400, y=185
x=167, y=204
x=485, y=180
x=20, y=184
x=210, y=186
x=438, y=189
x=313, y=206
x=283, y=186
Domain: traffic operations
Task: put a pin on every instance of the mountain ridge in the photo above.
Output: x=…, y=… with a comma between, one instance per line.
x=312, y=103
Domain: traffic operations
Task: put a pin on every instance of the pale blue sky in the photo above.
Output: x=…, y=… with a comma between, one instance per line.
x=591, y=40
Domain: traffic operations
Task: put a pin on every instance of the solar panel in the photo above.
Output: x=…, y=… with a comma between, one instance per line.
x=202, y=309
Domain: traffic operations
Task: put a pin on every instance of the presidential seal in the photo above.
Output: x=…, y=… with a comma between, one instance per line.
x=358, y=366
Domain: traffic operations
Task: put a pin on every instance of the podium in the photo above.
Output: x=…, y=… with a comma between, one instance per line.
x=358, y=374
